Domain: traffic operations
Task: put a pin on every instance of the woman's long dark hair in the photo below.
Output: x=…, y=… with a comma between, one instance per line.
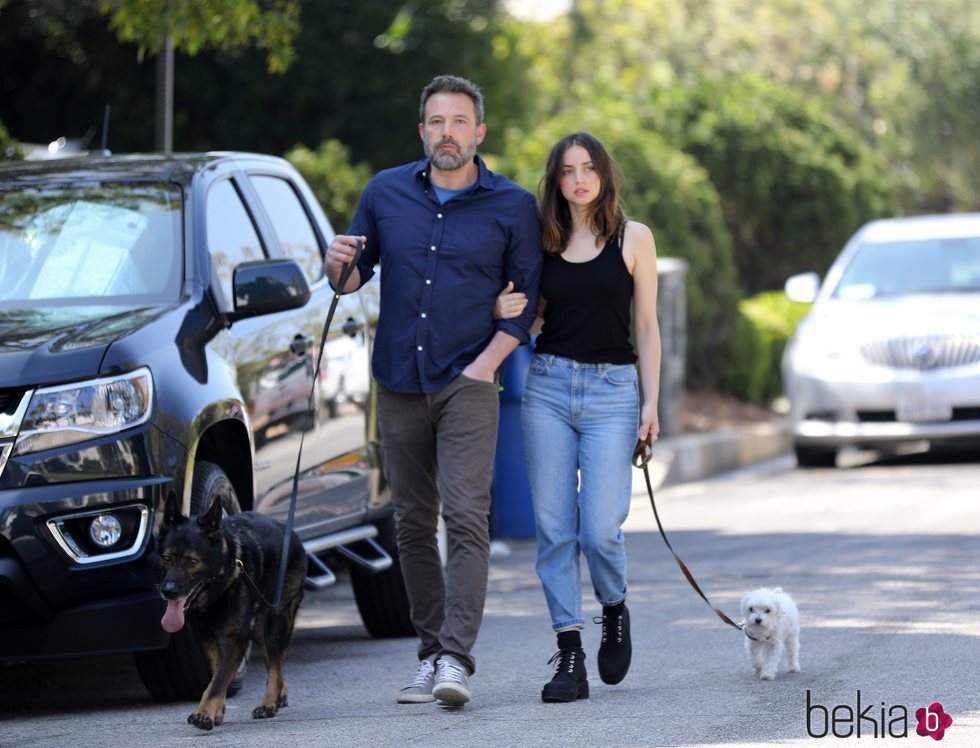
x=606, y=214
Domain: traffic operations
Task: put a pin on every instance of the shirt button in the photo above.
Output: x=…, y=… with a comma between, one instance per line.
x=428, y=283
x=438, y=215
x=420, y=348
x=433, y=247
x=423, y=315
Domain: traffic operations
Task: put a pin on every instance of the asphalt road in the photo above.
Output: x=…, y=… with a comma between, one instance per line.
x=882, y=559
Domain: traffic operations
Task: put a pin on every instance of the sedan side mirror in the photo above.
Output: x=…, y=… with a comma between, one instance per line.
x=268, y=286
x=803, y=287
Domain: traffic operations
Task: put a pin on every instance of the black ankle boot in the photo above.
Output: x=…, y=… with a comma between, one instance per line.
x=570, y=681
x=616, y=649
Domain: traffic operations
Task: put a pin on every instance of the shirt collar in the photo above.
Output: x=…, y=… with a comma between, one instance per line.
x=484, y=176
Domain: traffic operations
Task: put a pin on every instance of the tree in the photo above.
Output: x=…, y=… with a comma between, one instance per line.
x=193, y=25
x=794, y=184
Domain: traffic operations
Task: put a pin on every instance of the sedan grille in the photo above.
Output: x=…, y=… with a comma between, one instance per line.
x=928, y=352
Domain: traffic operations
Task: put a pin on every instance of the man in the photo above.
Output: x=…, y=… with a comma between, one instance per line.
x=449, y=235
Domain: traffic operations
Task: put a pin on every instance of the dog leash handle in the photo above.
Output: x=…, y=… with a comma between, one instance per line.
x=641, y=457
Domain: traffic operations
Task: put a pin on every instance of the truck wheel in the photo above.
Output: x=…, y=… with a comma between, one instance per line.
x=381, y=598
x=181, y=672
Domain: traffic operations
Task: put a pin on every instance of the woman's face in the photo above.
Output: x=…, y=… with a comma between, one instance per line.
x=578, y=179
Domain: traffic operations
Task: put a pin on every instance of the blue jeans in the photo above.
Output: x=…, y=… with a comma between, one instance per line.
x=579, y=424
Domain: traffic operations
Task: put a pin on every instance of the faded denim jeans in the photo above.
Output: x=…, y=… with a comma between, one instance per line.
x=579, y=423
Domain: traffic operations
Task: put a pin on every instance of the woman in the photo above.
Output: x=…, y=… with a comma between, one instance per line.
x=581, y=412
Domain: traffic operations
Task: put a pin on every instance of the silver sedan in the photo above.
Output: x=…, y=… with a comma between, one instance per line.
x=890, y=352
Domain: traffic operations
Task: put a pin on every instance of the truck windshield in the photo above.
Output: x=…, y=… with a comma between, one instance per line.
x=95, y=244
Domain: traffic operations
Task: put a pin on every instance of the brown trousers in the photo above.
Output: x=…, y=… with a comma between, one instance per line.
x=441, y=446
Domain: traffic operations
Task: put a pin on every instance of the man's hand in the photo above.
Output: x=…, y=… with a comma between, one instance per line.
x=341, y=252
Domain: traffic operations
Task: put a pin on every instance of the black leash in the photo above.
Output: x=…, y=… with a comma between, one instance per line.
x=344, y=277
x=641, y=456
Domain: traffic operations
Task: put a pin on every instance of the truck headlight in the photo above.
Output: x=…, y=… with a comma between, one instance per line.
x=71, y=413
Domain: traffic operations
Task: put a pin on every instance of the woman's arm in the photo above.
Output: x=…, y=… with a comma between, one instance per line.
x=640, y=254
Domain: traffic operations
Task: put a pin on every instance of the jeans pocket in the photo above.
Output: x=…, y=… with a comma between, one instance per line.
x=621, y=376
x=538, y=365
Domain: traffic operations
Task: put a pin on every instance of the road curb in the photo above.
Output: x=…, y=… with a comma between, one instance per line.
x=693, y=457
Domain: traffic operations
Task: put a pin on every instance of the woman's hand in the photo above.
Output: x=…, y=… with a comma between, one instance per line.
x=649, y=422
x=509, y=304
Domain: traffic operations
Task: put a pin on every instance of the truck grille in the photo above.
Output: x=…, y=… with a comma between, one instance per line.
x=926, y=352
x=9, y=400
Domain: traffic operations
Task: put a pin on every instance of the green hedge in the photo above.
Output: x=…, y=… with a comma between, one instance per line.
x=763, y=326
x=794, y=183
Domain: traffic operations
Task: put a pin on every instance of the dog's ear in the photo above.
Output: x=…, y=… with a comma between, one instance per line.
x=172, y=515
x=210, y=521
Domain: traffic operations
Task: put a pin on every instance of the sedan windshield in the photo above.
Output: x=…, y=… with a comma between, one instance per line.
x=91, y=244
x=937, y=265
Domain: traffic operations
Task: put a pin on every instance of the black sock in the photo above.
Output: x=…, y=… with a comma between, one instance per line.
x=570, y=639
x=612, y=611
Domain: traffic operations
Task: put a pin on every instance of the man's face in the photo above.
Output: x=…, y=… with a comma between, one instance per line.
x=450, y=133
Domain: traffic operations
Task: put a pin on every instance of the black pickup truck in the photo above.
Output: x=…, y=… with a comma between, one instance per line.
x=160, y=323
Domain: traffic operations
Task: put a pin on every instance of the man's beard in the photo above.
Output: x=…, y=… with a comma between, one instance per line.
x=447, y=160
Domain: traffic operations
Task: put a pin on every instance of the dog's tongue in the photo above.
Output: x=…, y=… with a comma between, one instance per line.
x=173, y=619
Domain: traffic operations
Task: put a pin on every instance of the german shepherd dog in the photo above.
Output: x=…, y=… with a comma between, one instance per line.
x=203, y=563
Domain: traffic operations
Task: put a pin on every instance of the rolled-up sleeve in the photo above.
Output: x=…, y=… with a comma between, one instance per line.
x=523, y=261
x=365, y=225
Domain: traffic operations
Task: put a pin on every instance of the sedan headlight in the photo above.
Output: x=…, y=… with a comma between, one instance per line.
x=72, y=413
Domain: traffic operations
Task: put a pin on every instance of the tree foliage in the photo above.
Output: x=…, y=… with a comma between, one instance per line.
x=794, y=184
x=336, y=182
x=197, y=24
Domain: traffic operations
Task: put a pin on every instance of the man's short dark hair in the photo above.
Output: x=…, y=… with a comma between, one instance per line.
x=453, y=84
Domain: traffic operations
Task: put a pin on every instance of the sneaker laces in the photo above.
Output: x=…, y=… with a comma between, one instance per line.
x=422, y=675
x=451, y=671
x=565, y=659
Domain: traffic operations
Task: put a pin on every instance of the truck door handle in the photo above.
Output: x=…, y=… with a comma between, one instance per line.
x=301, y=345
x=351, y=327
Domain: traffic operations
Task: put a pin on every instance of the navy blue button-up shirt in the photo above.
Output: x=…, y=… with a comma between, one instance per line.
x=442, y=267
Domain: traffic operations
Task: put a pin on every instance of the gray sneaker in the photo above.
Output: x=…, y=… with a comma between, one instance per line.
x=451, y=687
x=419, y=691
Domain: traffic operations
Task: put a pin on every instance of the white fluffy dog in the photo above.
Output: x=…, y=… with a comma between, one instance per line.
x=772, y=631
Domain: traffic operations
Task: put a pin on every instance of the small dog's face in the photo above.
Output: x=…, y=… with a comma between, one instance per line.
x=762, y=610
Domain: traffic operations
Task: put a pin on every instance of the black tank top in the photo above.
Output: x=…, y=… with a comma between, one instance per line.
x=587, y=310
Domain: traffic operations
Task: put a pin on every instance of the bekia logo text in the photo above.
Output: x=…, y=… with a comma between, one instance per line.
x=873, y=720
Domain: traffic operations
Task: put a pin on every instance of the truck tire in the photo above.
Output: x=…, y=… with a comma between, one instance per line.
x=181, y=672
x=380, y=596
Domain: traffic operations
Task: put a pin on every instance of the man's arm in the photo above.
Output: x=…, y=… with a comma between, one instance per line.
x=486, y=364
x=522, y=265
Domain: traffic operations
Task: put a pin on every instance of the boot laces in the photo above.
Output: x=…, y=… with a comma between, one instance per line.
x=606, y=627
x=565, y=659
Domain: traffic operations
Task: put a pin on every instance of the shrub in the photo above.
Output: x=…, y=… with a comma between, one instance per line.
x=336, y=182
x=794, y=183
x=763, y=326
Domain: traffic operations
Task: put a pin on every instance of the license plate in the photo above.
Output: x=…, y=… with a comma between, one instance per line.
x=918, y=410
